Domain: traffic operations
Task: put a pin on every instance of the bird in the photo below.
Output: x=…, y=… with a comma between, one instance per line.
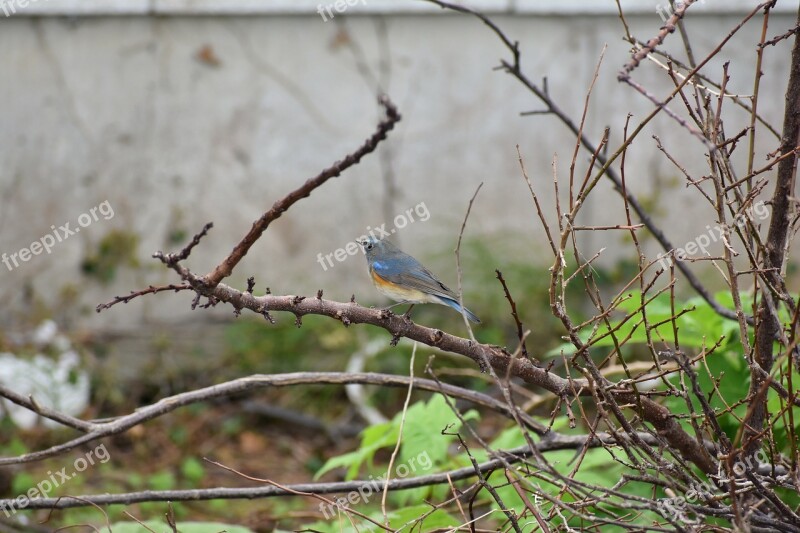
x=404, y=279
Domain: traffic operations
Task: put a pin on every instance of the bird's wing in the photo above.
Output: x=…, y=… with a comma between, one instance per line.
x=408, y=272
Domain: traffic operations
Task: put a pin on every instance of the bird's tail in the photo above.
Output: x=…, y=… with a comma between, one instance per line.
x=454, y=304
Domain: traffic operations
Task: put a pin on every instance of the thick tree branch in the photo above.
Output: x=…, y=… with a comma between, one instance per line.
x=769, y=323
x=98, y=430
x=499, y=358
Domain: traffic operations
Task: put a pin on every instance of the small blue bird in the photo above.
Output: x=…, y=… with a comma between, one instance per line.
x=403, y=279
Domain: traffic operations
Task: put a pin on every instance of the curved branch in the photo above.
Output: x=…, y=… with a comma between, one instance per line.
x=96, y=431
x=225, y=268
x=515, y=455
x=497, y=357
x=52, y=414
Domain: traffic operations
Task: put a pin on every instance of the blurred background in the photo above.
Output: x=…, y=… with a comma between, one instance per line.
x=138, y=121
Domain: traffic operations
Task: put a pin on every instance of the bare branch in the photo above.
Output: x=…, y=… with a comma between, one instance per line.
x=225, y=268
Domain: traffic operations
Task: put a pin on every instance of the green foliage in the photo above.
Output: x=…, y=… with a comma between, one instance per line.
x=428, y=431
x=596, y=466
x=414, y=518
x=159, y=526
x=16, y=446
x=373, y=439
x=256, y=346
x=163, y=480
x=232, y=426
x=178, y=435
x=422, y=438
x=118, y=248
x=193, y=470
x=723, y=374
x=528, y=287
x=698, y=324
x=135, y=480
x=177, y=234
x=22, y=482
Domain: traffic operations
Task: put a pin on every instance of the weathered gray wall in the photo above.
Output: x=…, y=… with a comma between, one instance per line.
x=120, y=109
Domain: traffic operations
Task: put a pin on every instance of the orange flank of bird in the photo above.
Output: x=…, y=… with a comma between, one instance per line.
x=399, y=294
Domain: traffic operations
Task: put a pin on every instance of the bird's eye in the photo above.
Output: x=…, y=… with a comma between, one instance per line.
x=369, y=246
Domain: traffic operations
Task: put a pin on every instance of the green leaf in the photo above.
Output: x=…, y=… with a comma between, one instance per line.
x=423, y=444
x=22, y=482
x=699, y=325
x=508, y=438
x=184, y=527
x=422, y=433
x=162, y=481
x=596, y=467
x=411, y=518
x=193, y=470
x=16, y=447
x=373, y=438
x=728, y=368
x=408, y=516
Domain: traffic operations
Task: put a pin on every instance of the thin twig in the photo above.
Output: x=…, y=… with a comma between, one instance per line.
x=399, y=435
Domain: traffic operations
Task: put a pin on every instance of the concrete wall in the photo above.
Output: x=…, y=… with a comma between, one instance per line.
x=176, y=120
